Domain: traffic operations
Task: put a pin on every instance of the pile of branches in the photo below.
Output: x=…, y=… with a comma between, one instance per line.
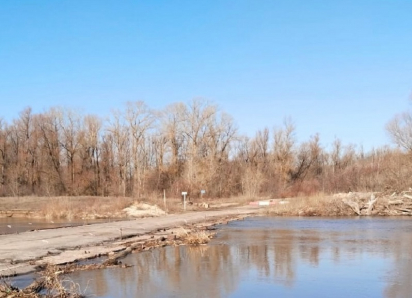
x=380, y=203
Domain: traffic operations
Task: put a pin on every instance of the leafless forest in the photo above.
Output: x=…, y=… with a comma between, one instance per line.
x=139, y=152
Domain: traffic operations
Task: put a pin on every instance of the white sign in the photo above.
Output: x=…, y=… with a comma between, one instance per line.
x=203, y=191
x=184, y=193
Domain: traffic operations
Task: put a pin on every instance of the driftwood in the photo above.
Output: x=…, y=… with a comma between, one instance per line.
x=361, y=208
x=379, y=203
x=353, y=205
x=371, y=203
x=35, y=287
x=396, y=202
x=403, y=210
x=114, y=259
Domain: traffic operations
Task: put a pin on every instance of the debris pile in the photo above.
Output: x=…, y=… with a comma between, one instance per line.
x=378, y=203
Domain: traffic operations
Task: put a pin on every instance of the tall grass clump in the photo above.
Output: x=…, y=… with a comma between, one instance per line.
x=195, y=237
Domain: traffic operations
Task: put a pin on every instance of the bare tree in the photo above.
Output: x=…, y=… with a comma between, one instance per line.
x=221, y=132
x=400, y=130
x=197, y=119
x=171, y=125
x=118, y=137
x=72, y=137
x=50, y=141
x=91, y=152
x=3, y=137
x=195, y=146
x=283, y=154
x=139, y=119
x=29, y=135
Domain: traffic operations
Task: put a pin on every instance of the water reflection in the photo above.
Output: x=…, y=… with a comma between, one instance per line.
x=267, y=257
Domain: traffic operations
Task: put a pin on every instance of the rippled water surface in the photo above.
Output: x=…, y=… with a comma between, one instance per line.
x=272, y=257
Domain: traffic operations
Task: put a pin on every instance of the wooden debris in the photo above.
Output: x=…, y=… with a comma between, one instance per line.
x=380, y=203
x=396, y=202
x=353, y=205
x=371, y=203
x=407, y=196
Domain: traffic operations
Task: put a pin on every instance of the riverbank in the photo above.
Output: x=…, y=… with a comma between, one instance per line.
x=346, y=204
x=27, y=252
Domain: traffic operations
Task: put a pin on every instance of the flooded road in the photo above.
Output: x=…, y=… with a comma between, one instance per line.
x=272, y=257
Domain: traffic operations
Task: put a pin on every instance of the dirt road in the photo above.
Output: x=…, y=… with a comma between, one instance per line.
x=21, y=253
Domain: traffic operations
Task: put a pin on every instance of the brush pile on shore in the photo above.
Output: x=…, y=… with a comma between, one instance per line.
x=348, y=204
x=379, y=203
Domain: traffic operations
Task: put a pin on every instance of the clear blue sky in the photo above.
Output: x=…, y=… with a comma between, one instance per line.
x=337, y=68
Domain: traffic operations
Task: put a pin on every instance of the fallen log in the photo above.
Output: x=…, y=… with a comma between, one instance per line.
x=353, y=205
x=407, y=196
x=395, y=202
x=371, y=203
x=114, y=260
x=404, y=210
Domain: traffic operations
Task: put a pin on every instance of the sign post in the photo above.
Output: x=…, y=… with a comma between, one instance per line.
x=184, y=194
x=164, y=198
x=202, y=192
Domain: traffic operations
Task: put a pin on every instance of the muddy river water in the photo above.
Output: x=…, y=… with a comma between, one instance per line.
x=12, y=225
x=272, y=257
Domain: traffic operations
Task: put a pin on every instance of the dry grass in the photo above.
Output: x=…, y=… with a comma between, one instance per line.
x=88, y=207
x=318, y=205
x=175, y=205
x=85, y=207
x=195, y=237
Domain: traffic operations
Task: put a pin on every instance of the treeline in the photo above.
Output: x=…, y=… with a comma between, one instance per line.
x=140, y=152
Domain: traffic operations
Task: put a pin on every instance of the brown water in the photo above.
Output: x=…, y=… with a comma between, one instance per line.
x=11, y=225
x=272, y=257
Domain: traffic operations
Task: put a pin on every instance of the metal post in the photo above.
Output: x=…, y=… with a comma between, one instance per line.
x=184, y=202
x=184, y=193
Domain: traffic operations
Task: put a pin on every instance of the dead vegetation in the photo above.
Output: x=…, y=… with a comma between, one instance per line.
x=85, y=207
x=139, y=152
x=195, y=238
x=89, y=207
x=51, y=284
x=380, y=203
x=319, y=205
x=347, y=204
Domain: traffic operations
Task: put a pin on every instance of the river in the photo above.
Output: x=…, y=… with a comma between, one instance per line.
x=13, y=225
x=272, y=257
